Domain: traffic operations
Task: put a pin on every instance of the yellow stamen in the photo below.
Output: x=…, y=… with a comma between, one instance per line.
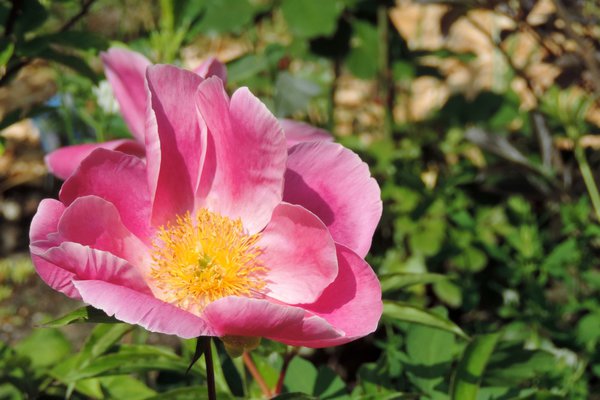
x=199, y=260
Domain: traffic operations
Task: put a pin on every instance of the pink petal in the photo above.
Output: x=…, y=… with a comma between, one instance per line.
x=173, y=141
x=141, y=309
x=119, y=179
x=93, y=221
x=125, y=71
x=246, y=155
x=242, y=316
x=212, y=67
x=64, y=161
x=332, y=182
x=45, y=223
x=45, y=220
x=299, y=253
x=86, y=263
x=352, y=303
x=298, y=132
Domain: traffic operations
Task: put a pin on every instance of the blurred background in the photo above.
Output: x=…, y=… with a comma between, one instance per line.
x=478, y=118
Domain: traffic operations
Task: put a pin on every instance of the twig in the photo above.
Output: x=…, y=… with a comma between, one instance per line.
x=85, y=7
x=12, y=17
x=256, y=374
x=15, y=68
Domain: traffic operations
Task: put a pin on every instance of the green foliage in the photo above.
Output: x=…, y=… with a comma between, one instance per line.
x=487, y=250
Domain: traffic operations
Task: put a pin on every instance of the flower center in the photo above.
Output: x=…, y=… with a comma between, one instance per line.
x=200, y=259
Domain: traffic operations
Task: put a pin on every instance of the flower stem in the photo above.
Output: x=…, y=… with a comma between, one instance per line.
x=588, y=178
x=256, y=374
x=210, y=371
x=286, y=362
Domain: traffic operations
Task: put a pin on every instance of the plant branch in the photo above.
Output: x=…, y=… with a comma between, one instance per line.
x=256, y=374
x=85, y=8
x=12, y=17
x=15, y=68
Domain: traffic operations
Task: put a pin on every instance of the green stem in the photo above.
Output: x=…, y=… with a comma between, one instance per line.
x=386, y=86
x=588, y=178
x=210, y=371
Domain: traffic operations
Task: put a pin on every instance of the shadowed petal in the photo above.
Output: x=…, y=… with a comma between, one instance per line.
x=299, y=254
x=245, y=158
x=125, y=71
x=212, y=67
x=83, y=262
x=173, y=141
x=119, y=179
x=133, y=307
x=332, y=182
x=64, y=161
x=242, y=316
x=352, y=303
x=43, y=225
x=104, y=231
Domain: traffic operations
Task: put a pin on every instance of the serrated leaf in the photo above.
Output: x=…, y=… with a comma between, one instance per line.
x=397, y=311
x=83, y=314
x=468, y=374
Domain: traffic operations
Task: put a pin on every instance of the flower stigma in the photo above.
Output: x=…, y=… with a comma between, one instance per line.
x=197, y=260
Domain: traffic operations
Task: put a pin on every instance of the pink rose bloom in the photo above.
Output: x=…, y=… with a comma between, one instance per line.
x=221, y=230
x=125, y=71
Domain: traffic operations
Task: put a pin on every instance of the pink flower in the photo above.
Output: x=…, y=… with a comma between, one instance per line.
x=222, y=230
x=125, y=71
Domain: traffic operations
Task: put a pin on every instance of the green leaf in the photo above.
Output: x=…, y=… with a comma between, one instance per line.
x=83, y=314
x=77, y=39
x=189, y=393
x=77, y=64
x=449, y=293
x=311, y=18
x=294, y=396
x=301, y=376
x=397, y=311
x=129, y=359
x=125, y=387
x=293, y=94
x=45, y=347
x=468, y=374
x=430, y=353
x=33, y=16
x=222, y=16
x=397, y=281
x=329, y=385
x=6, y=51
x=364, y=50
x=102, y=338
